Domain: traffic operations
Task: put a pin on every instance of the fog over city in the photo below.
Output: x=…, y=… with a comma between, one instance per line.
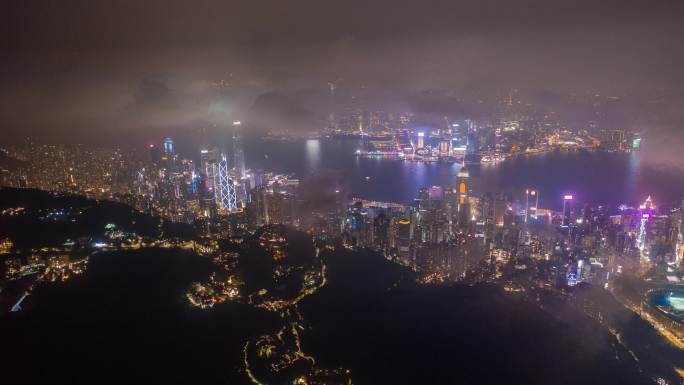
x=128, y=71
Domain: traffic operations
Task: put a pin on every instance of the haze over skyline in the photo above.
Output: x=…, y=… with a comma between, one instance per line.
x=130, y=71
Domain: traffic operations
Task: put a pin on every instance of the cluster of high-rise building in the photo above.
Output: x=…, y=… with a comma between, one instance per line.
x=444, y=233
x=447, y=231
x=513, y=127
x=82, y=169
x=223, y=198
x=450, y=232
x=215, y=190
x=156, y=180
x=181, y=190
x=486, y=141
x=436, y=235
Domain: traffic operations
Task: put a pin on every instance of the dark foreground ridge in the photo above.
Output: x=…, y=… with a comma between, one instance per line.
x=126, y=320
x=451, y=335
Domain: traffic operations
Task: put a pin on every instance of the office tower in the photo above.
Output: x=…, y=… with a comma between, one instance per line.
x=208, y=160
x=421, y=140
x=472, y=143
x=646, y=211
x=357, y=226
x=567, y=210
x=168, y=158
x=655, y=232
x=463, y=207
x=168, y=147
x=332, y=121
x=658, y=238
x=463, y=176
x=238, y=151
x=381, y=230
x=403, y=231
x=451, y=207
x=444, y=147
x=679, y=244
x=431, y=214
x=280, y=207
x=258, y=207
x=423, y=215
x=531, y=204
x=224, y=187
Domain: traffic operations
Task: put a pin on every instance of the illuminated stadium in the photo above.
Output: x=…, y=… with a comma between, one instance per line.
x=667, y=306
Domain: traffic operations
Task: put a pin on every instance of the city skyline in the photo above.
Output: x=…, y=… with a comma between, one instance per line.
x=335, y=193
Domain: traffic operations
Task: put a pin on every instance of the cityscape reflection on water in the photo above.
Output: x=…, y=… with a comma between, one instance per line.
x=594, y=177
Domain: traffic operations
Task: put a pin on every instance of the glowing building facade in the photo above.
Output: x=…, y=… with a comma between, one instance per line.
x=421, y=140
x=238, y=151
x=224, y=187
x=647, y=210
x=463, y=206
x=567, y=210
x=168, y=146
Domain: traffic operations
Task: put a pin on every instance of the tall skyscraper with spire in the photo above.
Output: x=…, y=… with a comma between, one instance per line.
x=463, y=208
x=238, y=151
x=332, y=120
x=463, y=176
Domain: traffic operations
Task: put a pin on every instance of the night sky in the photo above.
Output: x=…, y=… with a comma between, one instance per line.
x=129, y=70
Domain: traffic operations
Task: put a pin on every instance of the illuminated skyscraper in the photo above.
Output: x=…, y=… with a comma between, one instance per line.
x=463, y=209
x=531, y=204
x=463, y=176
x=444, y=148
x=224, y=187
x=431, y=215
x=332, y=120
x=679, y=245
x=208, y=160
x=647, y=210
x=168, y=146
x=403, y=231
x=238, y=151
x=451, y=208
x=567, y=209
x=421, y=140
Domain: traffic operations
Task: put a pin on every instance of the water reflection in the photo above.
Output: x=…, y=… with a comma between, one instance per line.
x=313, y=154
x=632, y=173
x=594, y=177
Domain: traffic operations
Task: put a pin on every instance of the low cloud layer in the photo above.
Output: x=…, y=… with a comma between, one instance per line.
x=129, y=72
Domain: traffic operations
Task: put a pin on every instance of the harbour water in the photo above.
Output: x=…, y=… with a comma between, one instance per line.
x=593, y=177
